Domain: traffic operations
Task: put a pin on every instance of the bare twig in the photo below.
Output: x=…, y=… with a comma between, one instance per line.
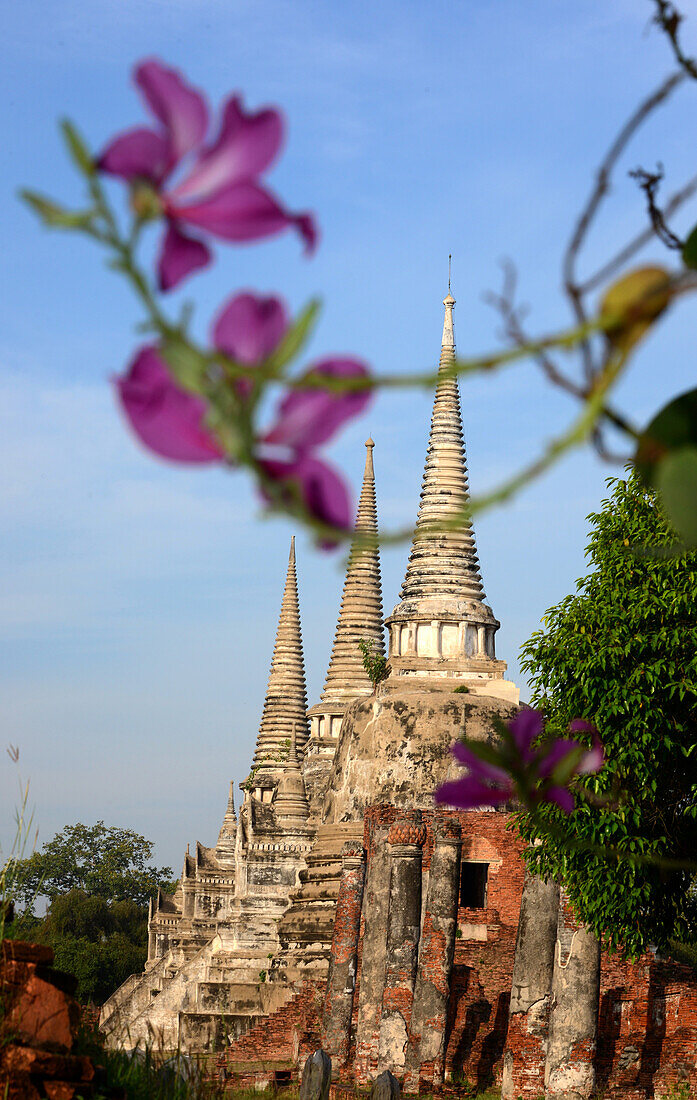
x=572, y=286
x=649, y=182
x=620, y=258
x=511, y=316
x=668, y=18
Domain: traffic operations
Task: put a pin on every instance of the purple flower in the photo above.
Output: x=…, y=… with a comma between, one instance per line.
x=221, y=195
x=515, y=768
x=167, y=420
x=171, y=422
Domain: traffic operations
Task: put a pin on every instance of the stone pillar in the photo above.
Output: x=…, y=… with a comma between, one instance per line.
x=531, y=990
x=405, y=841
x=338, y=1004
x=426, y=1054
x=377, y=898
x=573, y=1023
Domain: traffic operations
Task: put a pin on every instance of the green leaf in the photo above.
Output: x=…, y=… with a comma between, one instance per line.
x=294, y=340
x=188, y=365
x=54, y=215
x=677, y=483
x=632, y=304
x=671, y=429
x=689, y=252
x=79, y=153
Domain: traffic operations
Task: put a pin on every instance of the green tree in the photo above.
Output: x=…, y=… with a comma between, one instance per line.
x=97, y=880
x=622, y=653
x=101, y=860
x=100, y=942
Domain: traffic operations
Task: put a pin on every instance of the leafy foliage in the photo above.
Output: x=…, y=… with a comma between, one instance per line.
x=101, y=860
x=97, y=880
x=374, y=662
x=622, y=653
x=101, y=943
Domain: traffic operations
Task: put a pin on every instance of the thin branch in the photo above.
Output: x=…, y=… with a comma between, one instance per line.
x=511, y=315
x=668, y=18
x=620, y=258
x=650, y=182
x=600, y=190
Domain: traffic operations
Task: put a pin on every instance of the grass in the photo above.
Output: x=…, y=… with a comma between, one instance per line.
x=141, y=1074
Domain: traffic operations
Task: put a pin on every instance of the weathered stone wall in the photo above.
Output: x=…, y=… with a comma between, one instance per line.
x=341, y=984
x=395, y=746
x=272, y=1050
x=426, y=1053
x=648, y=1010
x=398, y=1010
x=531, y=990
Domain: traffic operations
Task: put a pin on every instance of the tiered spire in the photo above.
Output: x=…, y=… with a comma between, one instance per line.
x=290, y=803
x=228, y=830
x=443, y=560
x=286, y=695
x=360, y=616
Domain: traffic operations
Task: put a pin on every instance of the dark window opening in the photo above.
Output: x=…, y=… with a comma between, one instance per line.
x=473, y=884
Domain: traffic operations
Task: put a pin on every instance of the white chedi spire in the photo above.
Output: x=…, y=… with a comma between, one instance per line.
x=443, y=560
x=286, y=695
x=290, y=801
x=228, y=829
x=442, y=628
x=360, y=617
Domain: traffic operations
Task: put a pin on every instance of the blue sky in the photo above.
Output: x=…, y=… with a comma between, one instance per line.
x=138, y=601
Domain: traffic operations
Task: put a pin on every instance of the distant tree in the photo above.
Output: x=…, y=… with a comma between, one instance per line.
x=97, y=880
x=101, y=860
x=101, y=943
x=622, y=653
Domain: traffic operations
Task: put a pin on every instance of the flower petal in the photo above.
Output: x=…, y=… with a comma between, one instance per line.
x=180, y=108
x=319, y=486
x=525, y=727
x=309, y=417
x=243, y=212
x=593, y=759
x=468, y=794
x=556, y=752
x=250, y=327
x=479, y=768
x=136, y=154
x=166, y=419
x=562, y=797
x=579, y=725
x=179, y=256
x=245, y=147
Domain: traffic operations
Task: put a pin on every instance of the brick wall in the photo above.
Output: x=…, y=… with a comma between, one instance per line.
x=275, y=1046
x=648, y=1009
x=38, y=1026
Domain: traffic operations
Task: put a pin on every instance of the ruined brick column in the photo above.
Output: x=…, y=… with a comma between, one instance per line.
x=405, y=840
x=338, y=1004
x=377, y=900
x=426, y=1052
x=573, y=1023
x=531, y=990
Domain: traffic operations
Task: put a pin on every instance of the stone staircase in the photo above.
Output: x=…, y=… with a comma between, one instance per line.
x=269, y=1052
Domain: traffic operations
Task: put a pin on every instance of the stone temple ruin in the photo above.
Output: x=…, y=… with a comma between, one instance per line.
x=340, y=908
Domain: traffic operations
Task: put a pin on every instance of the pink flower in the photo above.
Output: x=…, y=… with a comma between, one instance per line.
x=167, y=420
x=171, y=422
x=221, y=195
x=514, y=768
